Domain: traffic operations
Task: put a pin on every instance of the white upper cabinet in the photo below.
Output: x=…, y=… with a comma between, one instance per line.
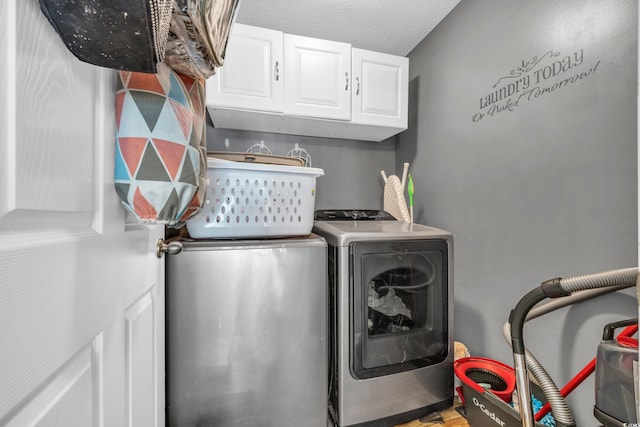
x=251, y=77
x=380, y=88
x=317, y=78
x=283, y=83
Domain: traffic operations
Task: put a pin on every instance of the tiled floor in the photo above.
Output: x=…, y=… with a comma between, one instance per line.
x=451, y=417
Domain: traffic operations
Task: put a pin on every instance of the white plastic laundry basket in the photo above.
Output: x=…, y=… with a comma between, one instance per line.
x=255, y=200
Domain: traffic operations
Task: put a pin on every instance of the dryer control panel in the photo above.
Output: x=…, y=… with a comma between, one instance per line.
x=352, y=214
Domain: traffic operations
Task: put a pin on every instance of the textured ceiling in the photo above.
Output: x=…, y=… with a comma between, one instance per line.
x=389, y=26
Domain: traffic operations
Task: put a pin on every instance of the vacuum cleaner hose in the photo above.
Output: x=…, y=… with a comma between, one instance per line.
x=626, y=276
x=555, y=288
x=554, y=397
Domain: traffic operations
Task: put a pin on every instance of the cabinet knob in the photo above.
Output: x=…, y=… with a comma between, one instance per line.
x=276, y=71
x=172, y=248
x=346, y=77
x=357, y=85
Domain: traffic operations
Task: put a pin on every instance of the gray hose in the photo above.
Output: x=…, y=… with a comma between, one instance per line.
x=625, y=276
x=587, y=286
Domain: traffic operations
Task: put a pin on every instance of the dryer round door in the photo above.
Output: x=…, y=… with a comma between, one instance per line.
x=400, y=305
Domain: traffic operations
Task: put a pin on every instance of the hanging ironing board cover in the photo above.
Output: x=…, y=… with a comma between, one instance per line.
x=160, y=161
x=198, y=35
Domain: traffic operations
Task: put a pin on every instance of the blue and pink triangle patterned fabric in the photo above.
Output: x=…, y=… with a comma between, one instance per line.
x=160, y=165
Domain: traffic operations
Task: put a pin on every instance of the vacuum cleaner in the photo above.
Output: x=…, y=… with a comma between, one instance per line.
x=562, y=292
x=496, y=394
x=615, y=384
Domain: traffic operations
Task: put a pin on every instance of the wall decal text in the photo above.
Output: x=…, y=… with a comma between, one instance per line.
x=533, y=79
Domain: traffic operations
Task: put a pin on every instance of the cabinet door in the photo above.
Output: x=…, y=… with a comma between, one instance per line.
x=380, y=89
x=317, y=78
x=251, y=77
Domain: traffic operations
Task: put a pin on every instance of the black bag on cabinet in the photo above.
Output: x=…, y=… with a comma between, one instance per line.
x=120, y=34
x=136, y=35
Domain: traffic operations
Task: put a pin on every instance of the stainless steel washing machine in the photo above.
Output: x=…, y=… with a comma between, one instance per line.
x=391, y=320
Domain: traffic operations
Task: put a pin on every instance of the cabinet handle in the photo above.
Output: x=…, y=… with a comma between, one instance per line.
x=172, y=248
x=346, y=76
x=276, y=71
x=357, y=85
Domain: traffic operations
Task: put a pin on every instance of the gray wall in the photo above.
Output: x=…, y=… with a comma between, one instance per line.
x=352, y=168
x=542, y=186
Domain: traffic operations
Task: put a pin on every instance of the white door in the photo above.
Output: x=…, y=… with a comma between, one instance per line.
x=81, y=291
x=317, y=78
x=251, y=76
x=380, y=89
